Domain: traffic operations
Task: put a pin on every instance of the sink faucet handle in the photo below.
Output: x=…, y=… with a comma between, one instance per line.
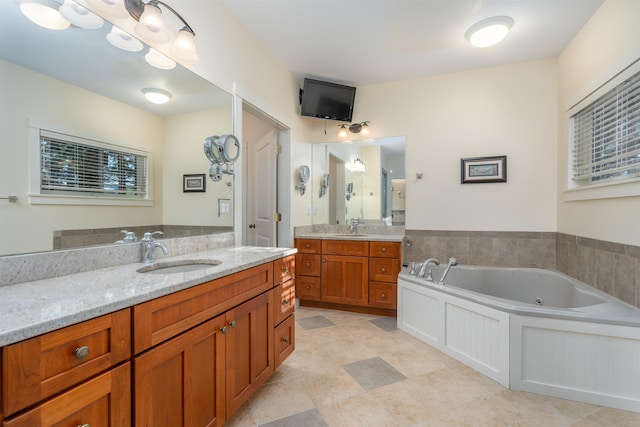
x=129, y=236
x=149, y=235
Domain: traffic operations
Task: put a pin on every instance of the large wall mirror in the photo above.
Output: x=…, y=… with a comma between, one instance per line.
x=362, y=180
x=75, y=82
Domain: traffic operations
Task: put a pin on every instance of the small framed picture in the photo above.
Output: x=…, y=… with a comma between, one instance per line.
x=194, y=183
x=477, y=170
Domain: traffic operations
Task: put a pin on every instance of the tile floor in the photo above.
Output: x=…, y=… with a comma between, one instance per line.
x=359, y=370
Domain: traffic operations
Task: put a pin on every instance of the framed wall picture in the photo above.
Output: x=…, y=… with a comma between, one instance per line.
x=478, y=170
x=194, y=183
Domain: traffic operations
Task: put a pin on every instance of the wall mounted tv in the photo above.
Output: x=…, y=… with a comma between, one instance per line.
x=327, y=100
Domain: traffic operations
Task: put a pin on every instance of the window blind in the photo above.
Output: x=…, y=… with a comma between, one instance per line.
x=606, y=135
x=75, y=166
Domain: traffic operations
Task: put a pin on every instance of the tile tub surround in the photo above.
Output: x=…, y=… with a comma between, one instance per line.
x=314, y=387
x=610, y=267
x=43, y=265
x=33, y=308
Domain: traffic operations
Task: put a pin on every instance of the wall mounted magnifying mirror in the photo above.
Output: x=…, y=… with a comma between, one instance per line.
x=303, y=173
x=324, y=184
x=222, y=151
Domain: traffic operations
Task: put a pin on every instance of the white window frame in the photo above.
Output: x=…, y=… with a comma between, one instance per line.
x=609, y=189
x=36, y=197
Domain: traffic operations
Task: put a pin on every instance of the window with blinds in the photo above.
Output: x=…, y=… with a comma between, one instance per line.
x=606, y=135
x=76, y=166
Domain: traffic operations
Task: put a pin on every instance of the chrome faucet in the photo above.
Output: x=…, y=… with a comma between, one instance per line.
x=452, y=262
x=353, y=225
x=425, y=270
x=148, y=246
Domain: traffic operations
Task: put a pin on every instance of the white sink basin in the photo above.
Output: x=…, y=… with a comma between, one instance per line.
x=350, y=234
x=181, y=266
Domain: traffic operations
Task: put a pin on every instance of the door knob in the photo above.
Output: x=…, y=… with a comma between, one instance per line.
x=252, y=226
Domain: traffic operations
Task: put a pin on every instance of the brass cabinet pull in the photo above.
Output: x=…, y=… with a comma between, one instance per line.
x=286, y=269
x=308, y=288
x=384, y=270
x=384, y=249
x=223, y=329
x=285, y=301
x=308, y=265
x=286, y=340
x=383, y=295
x=308, y=246
x=232, y=323
x=81, y=352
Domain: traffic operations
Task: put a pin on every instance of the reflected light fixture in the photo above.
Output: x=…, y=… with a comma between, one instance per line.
x=358, y=165
x=45, y=14
x=113, y=9
x=489, y=32
x=158, y=60
x=80, y=16
x=123, y=40
x=157, y=96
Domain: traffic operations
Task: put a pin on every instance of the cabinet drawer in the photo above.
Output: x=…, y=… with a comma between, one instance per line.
x=285, y=339
x=42, y=366
x=308, y=246
x=384, y=269
x=102, y=401
x=384, y=249
x=383, y=295
x=284, y=300
x=308, y=287
x=284, y=269
x=345, y=247
x=308, y=265
x=165, y=317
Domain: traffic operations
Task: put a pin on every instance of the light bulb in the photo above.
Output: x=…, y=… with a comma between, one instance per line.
x=184, y=46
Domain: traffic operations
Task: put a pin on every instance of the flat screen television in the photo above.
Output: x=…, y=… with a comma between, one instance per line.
x=327, y=100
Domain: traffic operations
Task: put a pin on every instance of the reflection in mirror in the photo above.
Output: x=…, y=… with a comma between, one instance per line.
x=361, y=180
x=75, y=83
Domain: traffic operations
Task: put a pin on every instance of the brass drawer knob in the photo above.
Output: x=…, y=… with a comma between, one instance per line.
x=285, y=340
x=286, y=269
x=285, y=301
x=384, y=270
x=223, y=329
x=81, y=352
x=383, y=295
x=308, y=246
x=308, y=288
x=308, y=265
x=232, y=323
x=384, y=249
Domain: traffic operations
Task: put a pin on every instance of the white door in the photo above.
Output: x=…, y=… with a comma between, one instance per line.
x=262, y=192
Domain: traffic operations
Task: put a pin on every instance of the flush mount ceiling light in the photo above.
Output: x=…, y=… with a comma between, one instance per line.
x=80, y=16
x=157, y=96
x=489, y=32
x=44, y=13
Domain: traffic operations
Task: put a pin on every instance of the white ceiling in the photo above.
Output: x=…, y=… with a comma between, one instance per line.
x=360, y=42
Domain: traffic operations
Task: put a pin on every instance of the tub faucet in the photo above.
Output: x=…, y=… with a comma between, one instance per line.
x=426, y=270
x=148, y=246
x=452, y=262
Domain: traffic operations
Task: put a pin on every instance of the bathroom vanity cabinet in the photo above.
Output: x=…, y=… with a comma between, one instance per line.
x=190, y=358
x=355, y=275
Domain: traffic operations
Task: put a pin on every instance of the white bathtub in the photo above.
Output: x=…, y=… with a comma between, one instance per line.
x=530, y=329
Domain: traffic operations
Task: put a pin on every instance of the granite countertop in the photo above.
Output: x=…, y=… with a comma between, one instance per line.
x=346, y=236
x=33, y=308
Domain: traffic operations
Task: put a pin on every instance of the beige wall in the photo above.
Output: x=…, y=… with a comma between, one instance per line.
x=508, y=110
x=183, y=154
x=605, y=45
x=28, y=95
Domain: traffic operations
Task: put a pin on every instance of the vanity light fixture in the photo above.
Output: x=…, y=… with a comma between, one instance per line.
x=358, y=165
x=361, y=128
x=80, y=16
x=489, y=32
x=157, y=96
x=44, y=13
x=113, y=9
x=158, y=60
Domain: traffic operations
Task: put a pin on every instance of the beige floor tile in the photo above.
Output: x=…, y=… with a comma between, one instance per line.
x=278, y=400
x=330, y=386
x=416, y=362
x=607, y=417
x=242, y=418
x=357, y=411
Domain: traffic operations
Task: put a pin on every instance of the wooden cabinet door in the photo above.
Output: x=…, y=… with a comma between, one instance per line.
x=249, y=348
x=345, y=279
x=181, y=382
x=104, y=401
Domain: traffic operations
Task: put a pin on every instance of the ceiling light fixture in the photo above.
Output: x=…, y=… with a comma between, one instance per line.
x=157, y=96
x=489, y=32
x=80, y=16
x=45, y=14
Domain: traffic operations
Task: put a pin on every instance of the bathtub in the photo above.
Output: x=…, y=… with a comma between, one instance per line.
x=529, y=329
